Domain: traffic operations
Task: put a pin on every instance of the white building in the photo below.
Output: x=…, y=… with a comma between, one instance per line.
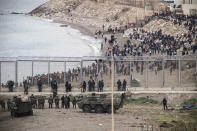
x=188, y=6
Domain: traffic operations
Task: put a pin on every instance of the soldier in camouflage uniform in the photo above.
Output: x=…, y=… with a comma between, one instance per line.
x=9, y=104
x=57, y=102
x=50, y=101
x=25, y=84
x=42, y=102
x=74, y=102
x=39, y=102
x=2, y=103
x=32, y=99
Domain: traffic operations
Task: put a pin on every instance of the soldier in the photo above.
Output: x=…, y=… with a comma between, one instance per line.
x=42, y=102
x=50, y=101
x=66, y=101
x=66, y=86
x=54, y=87
x=2, y=103
x=99, y=85
x=32, y=100
x=84, y=86
x=25, y=84
x=57, y=102
x=9, y=104
x=35, y=104
x=39, y=85
x=164, y=102
x=102, y=85
x=63, y=102
x=69, y=87
x=93, y=85
x=74, y=102
x=119, y=85
x=90, y=85
x=10, y=85
x=54, y=93
x=124, y=85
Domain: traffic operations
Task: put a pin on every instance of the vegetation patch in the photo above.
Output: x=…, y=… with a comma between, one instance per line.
x=192, y=101
x=177, y=122
x=141, y=100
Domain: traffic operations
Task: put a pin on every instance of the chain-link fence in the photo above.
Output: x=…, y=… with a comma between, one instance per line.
x=136, y=72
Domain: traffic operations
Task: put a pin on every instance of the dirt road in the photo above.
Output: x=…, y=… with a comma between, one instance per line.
x=68, y=120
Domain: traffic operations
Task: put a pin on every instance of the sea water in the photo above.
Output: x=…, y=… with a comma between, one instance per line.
x=23, y=35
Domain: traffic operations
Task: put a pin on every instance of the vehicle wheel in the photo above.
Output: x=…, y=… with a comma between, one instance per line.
x=31, y=112
x=14, y=114
x=99, y=109
x=86, y=108
x=109, y=109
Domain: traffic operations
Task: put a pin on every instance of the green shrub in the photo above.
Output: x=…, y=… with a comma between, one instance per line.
x=141, y=100
x=192, y=101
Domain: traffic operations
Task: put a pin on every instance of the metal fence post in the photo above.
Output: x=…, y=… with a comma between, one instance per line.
x=163, y=73
x=81, y=72
x=16, y=72
x=32, y=79
x=146, y=74
x=0, y=76
x=196, y=74
x=179, y=73
x=97, y=71
x=130, y=73
x=64, y=72
x=48, y=73
x=114, y=74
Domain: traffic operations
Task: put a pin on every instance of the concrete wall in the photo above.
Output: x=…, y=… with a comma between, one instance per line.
x=188, y=7
x=178, y=2
x=190, y=2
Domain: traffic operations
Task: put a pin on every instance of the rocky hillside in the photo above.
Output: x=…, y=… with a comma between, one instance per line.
x=90, y=12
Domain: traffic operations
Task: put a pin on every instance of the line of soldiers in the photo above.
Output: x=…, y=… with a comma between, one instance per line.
x=91, y=85
x=100, y=85
x=37, y=103
x=122, y=86
x=40, y=101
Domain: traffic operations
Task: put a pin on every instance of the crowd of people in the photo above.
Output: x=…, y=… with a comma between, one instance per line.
x=148, y=43
x=155, y=42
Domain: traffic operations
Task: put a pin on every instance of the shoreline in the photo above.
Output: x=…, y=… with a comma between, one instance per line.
x=90, y=31
x=84, y=30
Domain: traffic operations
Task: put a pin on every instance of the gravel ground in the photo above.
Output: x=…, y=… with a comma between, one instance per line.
x=69, y=120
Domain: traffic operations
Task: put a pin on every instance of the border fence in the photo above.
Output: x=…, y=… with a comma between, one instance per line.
x=140, y=71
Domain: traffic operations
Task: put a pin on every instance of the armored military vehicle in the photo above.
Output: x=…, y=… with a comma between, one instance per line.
x=20, y=106
x=100, y=103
